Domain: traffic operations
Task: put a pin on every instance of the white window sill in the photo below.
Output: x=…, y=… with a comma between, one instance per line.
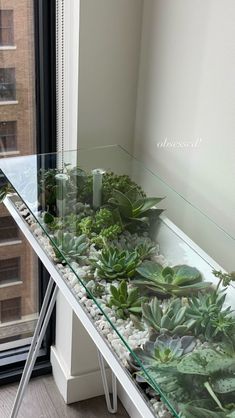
x=16, y=283
x=8, y=48
x=8, y=102
x=9, y=153
x=12, y=242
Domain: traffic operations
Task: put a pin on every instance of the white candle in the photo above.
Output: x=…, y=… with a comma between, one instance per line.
x=97, y=187
x=61, y=180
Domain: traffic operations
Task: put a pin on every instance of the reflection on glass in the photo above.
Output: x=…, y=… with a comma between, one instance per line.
x=18, y=274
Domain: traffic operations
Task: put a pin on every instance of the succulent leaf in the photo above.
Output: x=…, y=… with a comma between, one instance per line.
x=126, y=301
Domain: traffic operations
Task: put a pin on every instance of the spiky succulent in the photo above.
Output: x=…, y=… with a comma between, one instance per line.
x=210, y=319
x=172, y=320
x=134, y=207
x=125, y=301
x=66, y=246
x=180, y=280
x=116, y=264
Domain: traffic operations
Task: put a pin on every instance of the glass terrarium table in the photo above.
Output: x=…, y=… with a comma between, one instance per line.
x=140, y=275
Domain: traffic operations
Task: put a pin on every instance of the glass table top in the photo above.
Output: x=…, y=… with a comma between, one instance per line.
x=150, y=261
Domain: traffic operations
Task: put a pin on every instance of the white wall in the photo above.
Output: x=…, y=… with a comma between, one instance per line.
x=187, y=91
x=110, y=33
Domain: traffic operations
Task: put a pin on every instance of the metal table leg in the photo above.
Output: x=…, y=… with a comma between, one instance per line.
x=44, y=317
x=111, y=409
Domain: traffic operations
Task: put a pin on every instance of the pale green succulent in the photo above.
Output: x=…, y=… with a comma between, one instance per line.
x=164, y=350
x=115, y=264
x=172, y=320
x=180, y=280
x=67, y=246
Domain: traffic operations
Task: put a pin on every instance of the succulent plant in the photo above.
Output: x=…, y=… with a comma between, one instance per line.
x=224, y=278
x=125, y=301
x=172, y=320
x=96, y=289
x=164, y=350
x=85, y=225
x=47, y=189
x=180, y=280
x=199, y=409
x=132, y=241
x=5, y=189
x=209, y=318
x=102, y=226
x=66, y=246
x=216, y=369
x=134, y=207
x=122, y=183
x=115, y=264
x=146, y=250
x=107, y=234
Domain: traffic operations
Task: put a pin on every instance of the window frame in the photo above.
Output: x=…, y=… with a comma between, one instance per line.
x=12, y=361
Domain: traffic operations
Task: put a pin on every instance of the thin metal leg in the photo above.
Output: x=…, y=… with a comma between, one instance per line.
x=39, y=333
x=111, y=409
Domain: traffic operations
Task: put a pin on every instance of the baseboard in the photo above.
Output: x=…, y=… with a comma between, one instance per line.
x=76, y=388
x=85, y=386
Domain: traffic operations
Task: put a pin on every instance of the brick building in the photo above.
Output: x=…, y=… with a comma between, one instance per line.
x=18, y=280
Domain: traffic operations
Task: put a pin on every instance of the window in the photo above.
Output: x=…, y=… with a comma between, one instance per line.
x=27, y=127
x=8, y=136
x=6, y=28
x=9, y=270
x=11, y=310
x=7, y=84
x=8, y=229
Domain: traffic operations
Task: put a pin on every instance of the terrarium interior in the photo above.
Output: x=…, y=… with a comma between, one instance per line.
x=103, y=216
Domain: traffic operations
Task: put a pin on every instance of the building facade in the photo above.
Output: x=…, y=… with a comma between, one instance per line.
x=18, y=278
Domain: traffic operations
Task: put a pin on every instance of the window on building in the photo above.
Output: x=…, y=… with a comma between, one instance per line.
x=8, y=229
x=11, y=310
x=28, y=127
x=7, y=84
x=8, y=136
x=10, y=270
x=6, y=28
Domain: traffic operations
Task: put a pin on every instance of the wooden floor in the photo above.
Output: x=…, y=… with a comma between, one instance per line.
x=42, y=400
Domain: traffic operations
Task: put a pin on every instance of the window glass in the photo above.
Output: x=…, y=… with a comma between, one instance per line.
x=7, y=84
x=9, y=270
x=11, y=310
x=8, y=136
x=6, y=28
x=18, y=268
x=8, y=229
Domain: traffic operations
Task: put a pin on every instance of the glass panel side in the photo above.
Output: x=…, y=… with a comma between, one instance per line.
x=152, y=280
x=18, y=271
